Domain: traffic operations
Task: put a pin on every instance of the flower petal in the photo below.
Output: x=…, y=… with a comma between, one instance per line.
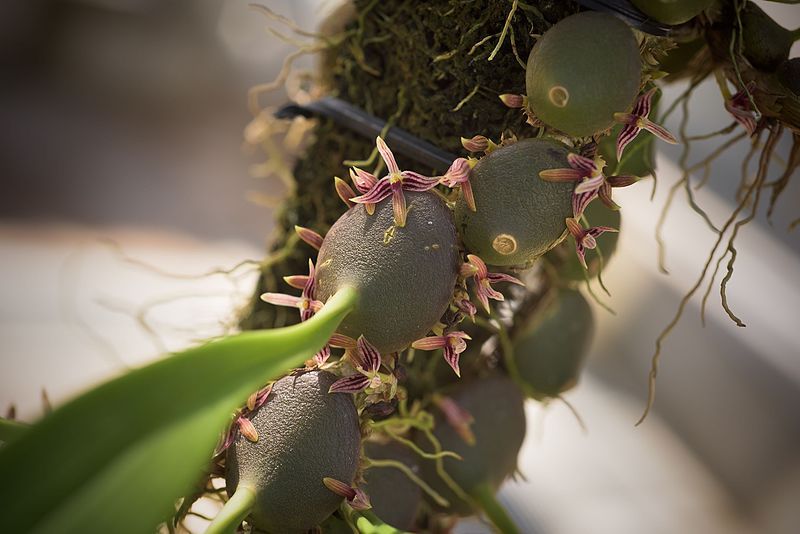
x=360, y=501
x=399, y=205
x=643, y=104
x=588, y=241
x=413, y=181
x=379, y=191
x=626, y=135
x=344, y=191
x=605, y=195
x=628, y=119
x=581, y=201
x=513, y=101
x=581, y=252
x=659, y=131
x=247, y=429
x=457, y=173
x=363, y=180
x=322, y=356
x=339, y=488
x=309, y=236
x=350, y=384
x=586, y=165
x=370, y=357
x=387, y=156
x=480, y=266
x=623, y=180
x=280, y=299
x=297, y=281
x=341, y=341
x=561, y=175
x=502, y=277
x=467, y=307
x=451, y=356
x=574, y=227
x=590, y=185
x=469, y=198
x=477, y=143
x=430, y=343
x=599, y=230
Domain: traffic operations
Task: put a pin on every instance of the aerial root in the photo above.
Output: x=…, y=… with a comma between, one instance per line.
x=780, y=184
x=319, y=44
x=763, y=167
x=755, y=186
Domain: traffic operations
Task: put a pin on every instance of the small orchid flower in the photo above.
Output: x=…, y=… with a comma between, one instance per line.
x=484, y=280
x=585, y=237
x=458, y=174
x=513, y=101
x=739, y=106
x=242, y=423
x=476, y=143
x=309, y=237
x=394, y=184
x=637, y=120
x=364, y=181
x=453, y=343
x=306, y=302
x=367, y=363
x=345, y=192
x=462, y=302
x=356, y=498
x=591, y=181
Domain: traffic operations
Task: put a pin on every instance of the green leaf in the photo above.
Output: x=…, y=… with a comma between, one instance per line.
x=116, y=458
x=10, y=430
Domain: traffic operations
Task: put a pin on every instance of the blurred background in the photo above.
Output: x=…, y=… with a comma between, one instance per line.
x=126, y=183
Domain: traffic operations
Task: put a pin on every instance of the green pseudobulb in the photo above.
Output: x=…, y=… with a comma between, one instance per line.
x=305, y=435
x=405, y=276
x=496, y=405
x=672, y=11
x=395, y=498
x=766, y=44
x=549, y=351
x=518, y=216
x=789, y=75
x=582, y=71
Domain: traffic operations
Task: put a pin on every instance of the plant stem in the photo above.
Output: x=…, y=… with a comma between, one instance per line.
x=366, y=522
x=234, y=511
x=10, y=430
x=484, y=496
x=441, y=501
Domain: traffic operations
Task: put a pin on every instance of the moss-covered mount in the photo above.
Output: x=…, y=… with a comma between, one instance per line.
x=425, y=67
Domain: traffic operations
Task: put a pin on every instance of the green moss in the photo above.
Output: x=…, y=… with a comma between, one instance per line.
x=420, y=51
